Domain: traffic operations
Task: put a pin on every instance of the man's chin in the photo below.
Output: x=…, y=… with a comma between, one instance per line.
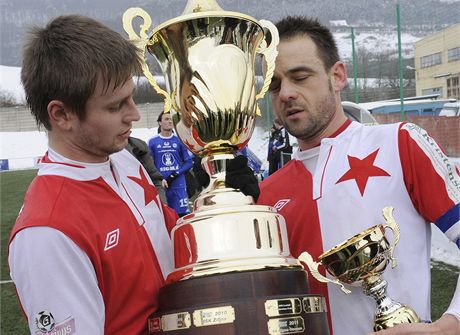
x=117, y=148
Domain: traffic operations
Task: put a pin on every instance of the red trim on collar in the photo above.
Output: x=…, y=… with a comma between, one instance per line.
x=341, y=128
x=46, y=159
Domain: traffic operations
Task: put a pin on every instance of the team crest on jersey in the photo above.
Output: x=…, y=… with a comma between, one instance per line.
x=46, y=324
x=112, y=239
x=167, y=159
x=281, y=203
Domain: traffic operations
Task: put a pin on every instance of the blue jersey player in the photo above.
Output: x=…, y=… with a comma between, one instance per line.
x=172, y=159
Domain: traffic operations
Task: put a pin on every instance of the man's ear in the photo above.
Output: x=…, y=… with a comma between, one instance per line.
x=60, y=116
x=339, y=76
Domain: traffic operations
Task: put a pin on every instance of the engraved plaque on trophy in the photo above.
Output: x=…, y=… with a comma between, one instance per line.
x=234, y=273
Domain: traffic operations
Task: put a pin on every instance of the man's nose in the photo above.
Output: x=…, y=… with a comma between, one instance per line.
x=134, y=114
x=287, y=92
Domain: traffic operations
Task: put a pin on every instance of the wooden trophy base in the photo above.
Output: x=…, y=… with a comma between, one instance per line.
x=242, y=303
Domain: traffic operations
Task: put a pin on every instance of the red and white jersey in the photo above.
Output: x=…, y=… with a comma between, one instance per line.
x=357, y=173
x=90, y=248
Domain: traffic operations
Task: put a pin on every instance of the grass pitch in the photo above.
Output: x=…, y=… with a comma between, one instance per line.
x=13, y=185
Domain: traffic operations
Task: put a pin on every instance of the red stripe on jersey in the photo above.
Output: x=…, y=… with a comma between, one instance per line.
x=293, y=185
x=423, y=174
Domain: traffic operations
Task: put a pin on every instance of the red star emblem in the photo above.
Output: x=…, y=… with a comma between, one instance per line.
x=189, y=145
x=361, y=170
x=150, y=192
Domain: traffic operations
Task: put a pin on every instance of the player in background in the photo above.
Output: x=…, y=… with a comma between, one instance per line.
x=172, y=159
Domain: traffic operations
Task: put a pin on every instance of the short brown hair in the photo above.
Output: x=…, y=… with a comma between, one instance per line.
x=65, y=60
x=294, y=26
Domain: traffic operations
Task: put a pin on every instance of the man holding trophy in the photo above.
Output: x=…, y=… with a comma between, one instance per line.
x=345, y=174
x=90, y=248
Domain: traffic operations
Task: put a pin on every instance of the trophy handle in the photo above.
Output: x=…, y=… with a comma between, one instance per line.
x=141, y=43
x=269, y=52
x=393, y=226
x=313, y=267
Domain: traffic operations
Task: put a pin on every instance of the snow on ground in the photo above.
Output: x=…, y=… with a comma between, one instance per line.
x=384, y=41
x=22, y=149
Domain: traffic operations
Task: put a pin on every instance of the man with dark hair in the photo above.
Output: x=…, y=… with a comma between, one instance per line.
x=90, y=248
x=173, y=160
x=345, y=173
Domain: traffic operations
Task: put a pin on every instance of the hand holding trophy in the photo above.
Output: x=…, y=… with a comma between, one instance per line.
x=361, y=260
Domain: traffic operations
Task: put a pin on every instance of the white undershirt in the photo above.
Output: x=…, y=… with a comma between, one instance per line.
x=309, y=158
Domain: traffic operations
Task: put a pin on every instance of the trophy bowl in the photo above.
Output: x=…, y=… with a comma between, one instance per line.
x=208, y=59
x=360, y=261
x=360, y=257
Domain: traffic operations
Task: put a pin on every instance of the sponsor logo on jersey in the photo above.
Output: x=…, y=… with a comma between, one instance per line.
x=441, y=163
x=44, y=321
x=167, y=159
x=112, y=239
x=46, y=324
x=281, y=203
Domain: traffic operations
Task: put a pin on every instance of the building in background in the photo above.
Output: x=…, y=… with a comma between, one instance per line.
x=437, y=63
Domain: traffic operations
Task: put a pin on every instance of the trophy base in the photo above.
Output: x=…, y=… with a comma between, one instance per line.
x=403, y=314
x=241, y=303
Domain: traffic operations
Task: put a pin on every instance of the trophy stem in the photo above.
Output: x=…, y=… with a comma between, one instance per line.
x=216, y=194
x=377, y=289
x=216, y=166
x=389, y=312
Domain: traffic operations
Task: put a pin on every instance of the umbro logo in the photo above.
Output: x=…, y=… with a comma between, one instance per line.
x=112, y=239
x=281, y=203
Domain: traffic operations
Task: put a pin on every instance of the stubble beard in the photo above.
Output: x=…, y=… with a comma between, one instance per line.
x=316, y=122
x=92, y=145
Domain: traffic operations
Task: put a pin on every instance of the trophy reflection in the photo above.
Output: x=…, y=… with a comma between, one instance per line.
x=361, y=260
x=234, y=273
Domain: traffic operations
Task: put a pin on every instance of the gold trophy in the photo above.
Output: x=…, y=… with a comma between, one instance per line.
x=361, y=260
x=234, y=273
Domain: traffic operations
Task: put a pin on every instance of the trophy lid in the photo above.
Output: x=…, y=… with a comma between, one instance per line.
x=194, y=6
x=196, y=9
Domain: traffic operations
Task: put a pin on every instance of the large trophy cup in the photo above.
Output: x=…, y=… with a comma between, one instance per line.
x=361, y=260
x=233, y=270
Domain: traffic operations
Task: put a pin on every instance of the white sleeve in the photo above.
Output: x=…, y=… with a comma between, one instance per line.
x=454, y=308
x=53, y=274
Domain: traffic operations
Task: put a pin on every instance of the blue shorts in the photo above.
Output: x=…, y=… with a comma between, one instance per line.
x=177, y=199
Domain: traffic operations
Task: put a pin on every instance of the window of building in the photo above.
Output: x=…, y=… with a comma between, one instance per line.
x=434, y=90
x=453, y=87
x=453, y=54
x=430, y=60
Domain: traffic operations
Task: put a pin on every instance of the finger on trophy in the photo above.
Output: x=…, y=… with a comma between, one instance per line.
x=306, y=258
x=393, y=226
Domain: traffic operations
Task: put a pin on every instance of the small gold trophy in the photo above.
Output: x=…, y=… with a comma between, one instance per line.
x=234, y=273
x=361, y=260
